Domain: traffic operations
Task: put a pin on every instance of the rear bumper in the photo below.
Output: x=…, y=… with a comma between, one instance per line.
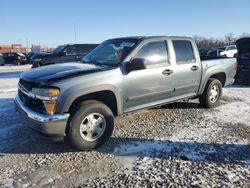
x=49, y=125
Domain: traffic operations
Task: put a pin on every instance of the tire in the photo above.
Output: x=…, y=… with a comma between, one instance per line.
x=210, y=98
x=18, y=63
x=82, y=134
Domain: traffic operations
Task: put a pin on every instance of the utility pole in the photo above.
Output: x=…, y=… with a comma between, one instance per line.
x=75, y=32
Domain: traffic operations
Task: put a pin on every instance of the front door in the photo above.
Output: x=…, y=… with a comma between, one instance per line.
x=152, y=85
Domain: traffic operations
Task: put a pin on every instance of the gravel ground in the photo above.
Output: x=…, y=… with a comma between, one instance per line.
x=177, y=145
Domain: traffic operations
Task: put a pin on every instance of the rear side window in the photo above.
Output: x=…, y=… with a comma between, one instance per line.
x=183, y=51
x=154, y=53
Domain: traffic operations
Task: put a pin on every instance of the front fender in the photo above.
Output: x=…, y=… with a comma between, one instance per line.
x=71, y=94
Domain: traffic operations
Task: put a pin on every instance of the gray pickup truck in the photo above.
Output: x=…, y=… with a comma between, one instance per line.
x=80, y=100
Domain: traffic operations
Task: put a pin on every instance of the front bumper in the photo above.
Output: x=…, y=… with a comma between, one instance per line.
x=50, y=125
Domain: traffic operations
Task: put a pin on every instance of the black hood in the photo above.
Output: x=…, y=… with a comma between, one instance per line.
x=42, y=55
x=43, y=75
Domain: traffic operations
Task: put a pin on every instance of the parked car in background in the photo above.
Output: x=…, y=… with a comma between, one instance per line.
x=2, y=62
x=210, y=52
x=15, y=58
x=204, y=51
x=243, y=59
x=81, y=99
x=61, y=54
x=228, y=51
x=214, y=52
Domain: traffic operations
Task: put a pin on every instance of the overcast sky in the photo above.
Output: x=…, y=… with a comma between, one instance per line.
x=51, y=22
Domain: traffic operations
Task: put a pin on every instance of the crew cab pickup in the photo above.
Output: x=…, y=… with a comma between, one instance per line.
x=122, y=75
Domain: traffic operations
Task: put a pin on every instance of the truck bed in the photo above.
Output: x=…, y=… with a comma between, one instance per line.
x=223, y=67
x=206, y=58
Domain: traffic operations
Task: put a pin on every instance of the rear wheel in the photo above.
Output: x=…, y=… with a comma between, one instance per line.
x=212, y=93
x=91, y=125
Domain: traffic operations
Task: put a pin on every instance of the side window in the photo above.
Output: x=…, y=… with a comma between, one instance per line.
x=154, y=53
x=83, y=49
x=71, y=50
x=183, y=51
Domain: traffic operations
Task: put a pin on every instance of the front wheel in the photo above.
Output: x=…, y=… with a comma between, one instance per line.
x=211, y=94
x=91, y=125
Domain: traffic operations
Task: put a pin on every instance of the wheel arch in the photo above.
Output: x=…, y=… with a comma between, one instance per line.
x=107, y=95
x=221, y=76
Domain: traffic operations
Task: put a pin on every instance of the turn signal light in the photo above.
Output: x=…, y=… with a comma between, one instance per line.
x=50, y=107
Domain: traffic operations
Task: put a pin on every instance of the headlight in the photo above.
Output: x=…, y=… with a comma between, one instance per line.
x=48, y=96
x=45, y=94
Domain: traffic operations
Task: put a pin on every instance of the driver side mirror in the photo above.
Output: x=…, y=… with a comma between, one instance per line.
x=136, y=64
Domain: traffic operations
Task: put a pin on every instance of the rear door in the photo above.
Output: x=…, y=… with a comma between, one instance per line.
x=187, y=71
x=152, y=85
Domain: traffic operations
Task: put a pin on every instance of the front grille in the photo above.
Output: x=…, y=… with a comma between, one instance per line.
x=27, y=85
x=24, y=98
x=33, y=104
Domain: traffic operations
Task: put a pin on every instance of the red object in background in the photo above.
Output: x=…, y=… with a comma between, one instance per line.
x=16, y=46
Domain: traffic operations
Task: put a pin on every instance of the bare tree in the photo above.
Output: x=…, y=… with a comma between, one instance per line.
x=244, y=34
x=229, y=39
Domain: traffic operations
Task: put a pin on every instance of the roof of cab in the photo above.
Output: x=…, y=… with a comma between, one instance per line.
x=151, y=37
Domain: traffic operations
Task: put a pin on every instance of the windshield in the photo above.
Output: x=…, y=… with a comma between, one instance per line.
x=58, y=49
x=110, y=52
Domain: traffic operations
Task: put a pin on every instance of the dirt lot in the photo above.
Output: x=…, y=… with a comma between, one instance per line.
x=177, y=145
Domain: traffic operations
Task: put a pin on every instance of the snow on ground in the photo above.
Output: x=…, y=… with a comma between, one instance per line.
x=234, y=112
x=9, y=118
x=9, y=76
x=14, y=68
x=6, y=182
x=205, y=140
x=194, y=142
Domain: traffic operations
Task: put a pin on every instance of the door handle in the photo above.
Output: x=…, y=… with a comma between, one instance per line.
x=194, y=68
x=167, y=72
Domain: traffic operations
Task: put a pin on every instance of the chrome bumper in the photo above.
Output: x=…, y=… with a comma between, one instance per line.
x=50, y=125
x=37, y=116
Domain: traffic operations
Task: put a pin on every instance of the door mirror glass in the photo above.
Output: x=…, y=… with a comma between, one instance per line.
x=136, y=64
